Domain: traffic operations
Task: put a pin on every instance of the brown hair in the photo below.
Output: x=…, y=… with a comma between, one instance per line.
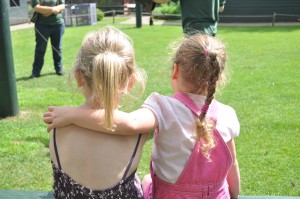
x=201, y=59
x=106, y=62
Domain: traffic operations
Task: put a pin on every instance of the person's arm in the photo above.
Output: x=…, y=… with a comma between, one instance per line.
x=233, y=177
x=222, y=5
x=140, y=121
x=58, y=9
x=47, y=11
x=44, y=10
x=221, y=8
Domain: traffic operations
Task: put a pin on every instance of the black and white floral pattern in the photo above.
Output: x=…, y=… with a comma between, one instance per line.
x=66, y=188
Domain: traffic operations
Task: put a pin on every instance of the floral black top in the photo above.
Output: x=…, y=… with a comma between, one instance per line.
x=66, y=188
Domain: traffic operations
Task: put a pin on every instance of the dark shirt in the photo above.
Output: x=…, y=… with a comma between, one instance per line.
x=52, y=19
x=66, y=188
x=200, y=15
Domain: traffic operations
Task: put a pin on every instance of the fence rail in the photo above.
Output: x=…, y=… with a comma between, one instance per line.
x=114, y=13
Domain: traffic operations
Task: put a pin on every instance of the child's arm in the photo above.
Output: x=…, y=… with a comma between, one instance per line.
x=233, y=177
x=140, y=121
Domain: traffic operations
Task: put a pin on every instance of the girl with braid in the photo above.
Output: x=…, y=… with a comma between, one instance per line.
x=193, y=152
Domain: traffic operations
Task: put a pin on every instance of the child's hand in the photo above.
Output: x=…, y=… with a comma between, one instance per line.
x=57, y=117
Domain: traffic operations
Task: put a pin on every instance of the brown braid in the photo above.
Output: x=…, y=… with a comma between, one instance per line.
x=201, y=59
x=205, y=128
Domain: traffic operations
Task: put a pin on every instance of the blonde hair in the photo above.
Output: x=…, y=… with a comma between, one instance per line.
x=106, y=62
x=201, y=59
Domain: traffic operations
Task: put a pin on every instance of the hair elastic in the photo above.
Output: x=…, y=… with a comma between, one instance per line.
x=204, y=108
x=205, y=53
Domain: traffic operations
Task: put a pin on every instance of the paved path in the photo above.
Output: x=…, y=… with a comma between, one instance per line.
x=21, y=26
x=131, y=20
x=146, y=19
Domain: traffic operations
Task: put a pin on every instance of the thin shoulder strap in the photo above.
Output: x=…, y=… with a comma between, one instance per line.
x=132, y=157
x=187, y=101
x=183, y=98
x=55, y=148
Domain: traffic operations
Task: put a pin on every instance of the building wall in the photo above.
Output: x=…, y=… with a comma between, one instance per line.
x=18, y=13
x=260, y=11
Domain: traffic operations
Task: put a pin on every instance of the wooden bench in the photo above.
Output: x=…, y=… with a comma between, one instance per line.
x=11, y=194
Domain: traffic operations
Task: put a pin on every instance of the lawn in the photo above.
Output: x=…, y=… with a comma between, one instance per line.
x=264, y=89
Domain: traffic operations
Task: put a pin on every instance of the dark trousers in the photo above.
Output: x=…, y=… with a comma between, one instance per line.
x=42, y=34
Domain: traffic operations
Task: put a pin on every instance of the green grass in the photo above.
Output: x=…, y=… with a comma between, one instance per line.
x=264, y=91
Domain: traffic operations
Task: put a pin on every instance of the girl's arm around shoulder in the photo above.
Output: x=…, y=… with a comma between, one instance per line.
x=140, y=121
x=59, y=116
x=233, y=177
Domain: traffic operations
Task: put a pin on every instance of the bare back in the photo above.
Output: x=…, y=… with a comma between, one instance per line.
x=93, y=159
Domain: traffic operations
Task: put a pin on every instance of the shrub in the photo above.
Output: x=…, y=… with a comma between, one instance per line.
x=100, y=14
x=170, y=8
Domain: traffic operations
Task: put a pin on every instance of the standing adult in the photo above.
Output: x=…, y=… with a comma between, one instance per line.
x=201, y=15
x=50, y=24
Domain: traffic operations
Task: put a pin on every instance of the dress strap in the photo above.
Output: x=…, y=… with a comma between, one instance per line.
x=55, y=148
x=183, y=98
x=132, y=157
x=187, y=101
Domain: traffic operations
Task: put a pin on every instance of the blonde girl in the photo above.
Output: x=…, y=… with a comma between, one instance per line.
x=193, y=152
x=86, y=163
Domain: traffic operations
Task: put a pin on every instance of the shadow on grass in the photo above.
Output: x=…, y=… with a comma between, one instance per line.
x=28, y=77
x=130, y=28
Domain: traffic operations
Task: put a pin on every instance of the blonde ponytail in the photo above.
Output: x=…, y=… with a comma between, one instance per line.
x=106, y=62
x=107, y=67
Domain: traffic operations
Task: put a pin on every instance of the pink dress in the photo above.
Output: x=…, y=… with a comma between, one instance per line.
x=200, y=178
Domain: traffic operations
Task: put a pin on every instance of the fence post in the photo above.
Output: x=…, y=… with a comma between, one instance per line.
x=8, y=91
x=138, y=14
x=274, y=19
